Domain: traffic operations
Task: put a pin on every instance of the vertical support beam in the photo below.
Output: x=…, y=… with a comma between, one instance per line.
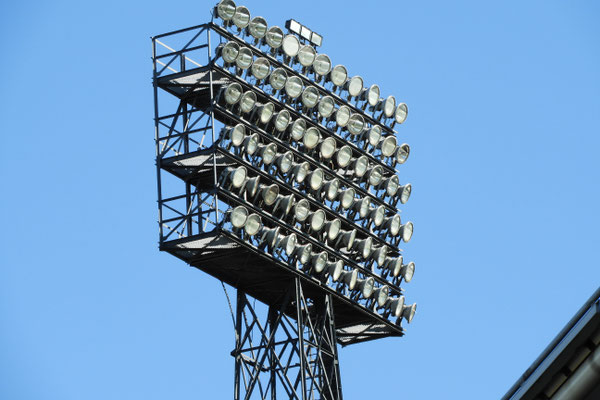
x=157, y=143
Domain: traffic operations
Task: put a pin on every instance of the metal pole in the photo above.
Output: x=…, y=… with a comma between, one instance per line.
x=157, y=144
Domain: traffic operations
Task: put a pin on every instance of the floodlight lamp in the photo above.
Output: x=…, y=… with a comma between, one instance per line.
x=374, y=135
x=380, y=254
x=282, y=120
x=306, y=55
x=290, y=45
x=406, y=231
x=343, y=156
x=285, y=203
x=391, y=185
x=229, y=52
x=381, y=295
x=402, y=153
x=294, y=87
x=244, y=58
x=327, y=148
x=251, y=186
x=261, y=68
x=293, y=26
x=315, y=179
x=265, y=112
x=226, y=10
x=278, y=78
x=233, y=93
x=364, y=247
x=288, y=243
x=236, y=134
x=319, y=261
x=317, y=220
x=354, y=86
x=408, y=312
x=269, y=194
x=349, y=278
x=274, y=37
x=347, y=198
x=334, y=269
x=316, y=39
x=407, y=271
x=303, y=252
x=238, y=216
x=395, y=305
x=405, y=192
x=250, y=144
x=248, y=101
x=253, y=224
x=365, y=286
x=284, y=161
x=310, y=97
x=267, y=153
x=363, y=206
x=401, y=113
x=332, y=228
x=241, y=18
x=342, y=116
x=322, y=65
x=237, y=176
x=301, y=210
x=338, y=75
x=300, y=171
x=361, y=164
x=326, y=106
x=257, y=27
x=311, y=138
x=373, y=94
x=393, y=225
x=346, y=239
x=388, y=146
x=305, y=32
x=375, y=175
x=389, y=106
x=332, y=189
x=394, y=265
x=378, y=215
x=356, y=124
x=298, y=129
x=269, y=236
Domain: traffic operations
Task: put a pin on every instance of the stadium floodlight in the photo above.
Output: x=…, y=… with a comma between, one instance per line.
x=393, y=224
x=338, y=75
x=356, y=124
x=265, y=112
x=229, y=52
x=395, y=305
x=362, y=206
x=282, y=120
x=297, y=130
x=406, y=231
x=317, y=220
x=354, y=86
x=375, y=175
x=389, y=106
x=303, y=252
x=372, y=95
x=360, y=166
x=321, y=65
x=267, y=153
x=342, y=116
x=226, y=10
x=327, y=148
x=332, y=228
x=277, y=79
x=232, y=93
x=238, y=216
x=306, y=56
x=302, y=210
x=241, y=18
x=334, y=269
x=261, y=68
x=244, y=59
x=365, y=286
x=380, y=254
x=315, y=179
x=347, y=198
x=300, y=171
x=408, y=312
x=288, y=243
x=393, y=265
x=269, y=193
x=253, y=224
x=257, y=27
x=387, y=145
x=401, y=113
x=294, y=87
x=346, y=239
x=377, y=215
x=290, y=46
x=311, y=138
x=310, y=97
x=344, y=156
x=247, y=102
x=407, y=271
x=250, y=144
x=236, y=134
x=274, y=37
x=390, y=185
x=235, y=175
x=269, y=236
x=349, y=278
x=251, y=186
x=404, y=192
x=364, y=247
x=381, y=295
x=285, y=204
x=285, y=161
x=332, y=189
x=319, y=261
x=373, y=136
x=402, y=153
x=326, y=106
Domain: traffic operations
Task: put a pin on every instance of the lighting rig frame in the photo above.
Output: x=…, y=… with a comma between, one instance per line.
x=232, y=202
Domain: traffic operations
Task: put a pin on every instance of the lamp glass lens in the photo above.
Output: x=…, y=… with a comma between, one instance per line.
x=320, y=262
x=382, y=296
x=373, y=95
x=326, y=106
x=338, y=75
x=247, y=101
x=311, y=138
x=333, y=189
x=328, y=148
x=317, y=220
x=374, y=135
x=266, y=112
x=365, y=207
x=322, y=64
x=270, y=194
x=290, y=244
x=347, y=199
x=310, y=97
x=368, y=287
x=251, y=144
x=355, y=86
x=244, y=58
x=233, y=92
x=306, y=253
x=307, y=55
x=344, y=155
x=389, y=106
x=388, y=146
x=375, y=175
x=291, y=45
x=316, y=179
x=274, y=37
x=407, y=231
x=342, y=116
x=402, y=153
x=409, y=271
x=253, y=224
x=230, y=52
x=286, y=161
x=239, y=177
x=241, y=18
x=379, y=216
x=395, y=225
x=361, y=165
x=298, y=129
x=226, y=10
x=398, y=306
x=282, y=120
x=301, y=210
x=293, y=87
x=401, y=113
x=405, y=194
x=367, y=247
x=302, y=171
x=334, y=229
x=258, y=27
x=356, y=124
x=278, y=78
x=261, y=68
x=237, y=133
x=238, y=216
x=269, y=153
x=392, y=185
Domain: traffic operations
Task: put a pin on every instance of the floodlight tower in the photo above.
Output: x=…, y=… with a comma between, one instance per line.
x=277, y=175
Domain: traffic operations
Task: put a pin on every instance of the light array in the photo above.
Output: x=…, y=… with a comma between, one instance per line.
x=314, y=183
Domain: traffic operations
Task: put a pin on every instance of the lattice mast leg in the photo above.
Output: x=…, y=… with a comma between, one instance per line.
x=289, y=353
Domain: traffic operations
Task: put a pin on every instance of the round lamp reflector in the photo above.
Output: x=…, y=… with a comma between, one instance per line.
x=274, y=37
x=282, y=120
x=244, y=58
x=408, y=271
x=311, y=138
x=401, y=113
x=266, y=112
x=333, y=229
x=378, y=216
x=237, y=134
x=241, y=18
x=322, y=64
x=402, y=153
x=270, y=193
x=226, y=10
x=230, y=51
x=291, y=45
x=328, y=147
x=285, y=162
x=257, y=27
x=298, y=129
x=342, y=116
x=375, y=175
x=294, y=87
x=316, y=179
x=233, y=93
x=319, y=261
x=374, y=135
x=253, y=224
x=360, y=166
x=251, y=144
x=355, y=86
x=326, y=106
x=238, y=177
x=405, y=193
x=338, y=75
x=394, y=225
x=347, y=198
x=247, y=101
x=310, y=97
x=261, y=68
x=317, y=220
x=389, y=106
x=373, y=95
x=238, y=217
x=278, y=78
x=307, y=55
x=356, y=124
x=301, y=210
x=344, y=156
x=392, y=185
x=406, y=231
x=388, y=146
x=300, y=171
x=333, y=188
x=268, y=154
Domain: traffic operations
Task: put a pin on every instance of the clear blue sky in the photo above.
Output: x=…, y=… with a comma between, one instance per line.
x=504, y=124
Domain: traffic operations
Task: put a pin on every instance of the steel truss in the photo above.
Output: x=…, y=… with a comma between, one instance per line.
x=291, y=353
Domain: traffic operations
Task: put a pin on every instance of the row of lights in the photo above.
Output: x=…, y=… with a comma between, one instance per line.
x=306, y=58
x=318, y=263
